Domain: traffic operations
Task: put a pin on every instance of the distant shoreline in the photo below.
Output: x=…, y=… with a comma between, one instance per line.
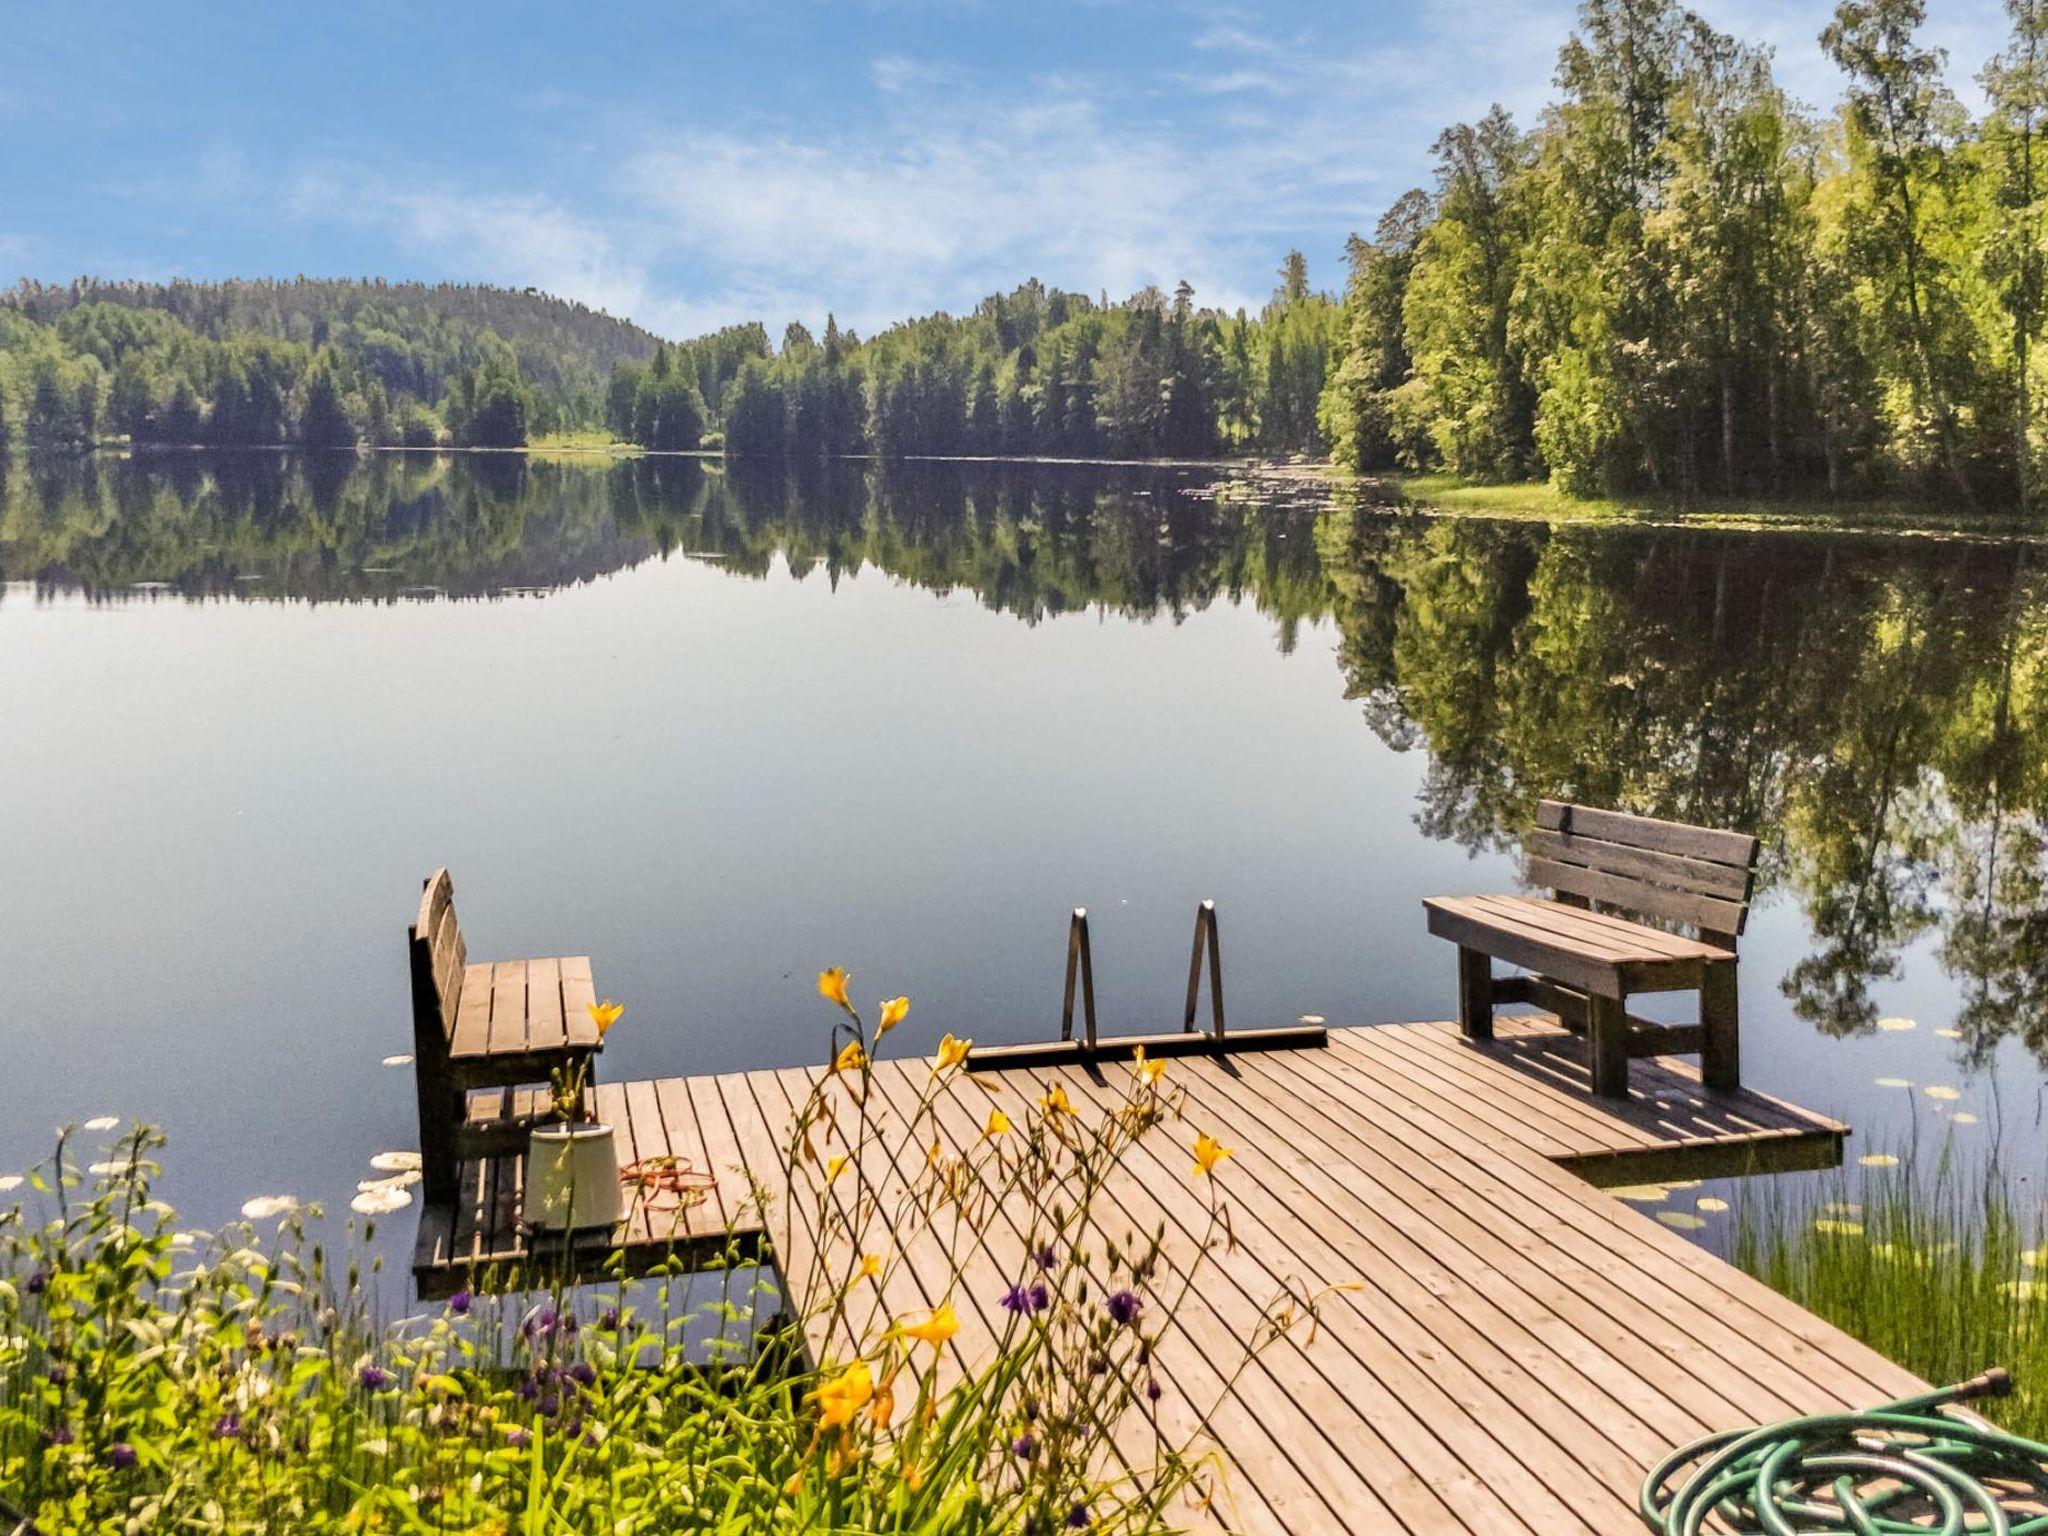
x=1423, y=494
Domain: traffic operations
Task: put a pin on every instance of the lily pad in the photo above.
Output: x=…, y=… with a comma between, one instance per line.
x=1895, y=1024
x=395, y=1162
x=1683, y=1221
x=263, y=1207
x=382, y=1200
x=1878, y=1160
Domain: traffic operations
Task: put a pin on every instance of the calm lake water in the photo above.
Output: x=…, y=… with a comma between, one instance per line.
x=720, y=729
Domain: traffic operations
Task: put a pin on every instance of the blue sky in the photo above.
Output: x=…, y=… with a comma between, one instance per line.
x=698, y=162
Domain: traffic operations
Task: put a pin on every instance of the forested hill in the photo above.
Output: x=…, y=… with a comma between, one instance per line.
x=314, y=360
x=1678, y=280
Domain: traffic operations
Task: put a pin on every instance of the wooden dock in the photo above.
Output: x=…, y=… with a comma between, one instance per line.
x=1519, y=1345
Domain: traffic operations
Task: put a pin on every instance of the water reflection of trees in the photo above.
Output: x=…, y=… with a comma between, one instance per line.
x=1876, y=709
x=1033, y=542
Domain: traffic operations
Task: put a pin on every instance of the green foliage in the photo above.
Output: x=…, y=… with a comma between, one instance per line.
x=319, y=364
x=1035, y=371
x=1934, y=1267
x=1681, y=284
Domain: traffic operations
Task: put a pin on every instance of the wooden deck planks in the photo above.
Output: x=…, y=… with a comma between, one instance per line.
x=1511, y=1347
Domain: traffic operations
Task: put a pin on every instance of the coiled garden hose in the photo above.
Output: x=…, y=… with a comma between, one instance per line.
x=1905, y=1469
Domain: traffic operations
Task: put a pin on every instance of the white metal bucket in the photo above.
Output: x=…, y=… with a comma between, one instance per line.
x=572, y=1178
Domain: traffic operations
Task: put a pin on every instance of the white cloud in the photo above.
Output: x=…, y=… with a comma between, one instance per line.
x=937, y=206
x=944, y=180
x=518, y=239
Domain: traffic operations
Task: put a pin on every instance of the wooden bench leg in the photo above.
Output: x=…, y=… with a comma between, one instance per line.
x=1720, y=1048
x=1607, y=1044
x=1475, y=993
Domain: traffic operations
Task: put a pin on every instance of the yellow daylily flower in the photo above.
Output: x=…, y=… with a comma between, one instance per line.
x=1208, y=1153
x=1149, y=1072
x=871, y=1266
x=832, y=985
x=998, y=1124
x=1056, y=1102
x=894, y=1012
x=913, y=1476
x=604, y=1015
x=934, y=1330
x=845, y=1395
x=951, y=1053
x=851, y=1059
x=834, y=1165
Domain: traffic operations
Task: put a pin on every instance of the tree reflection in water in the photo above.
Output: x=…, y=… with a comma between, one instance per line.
x=1873, y=707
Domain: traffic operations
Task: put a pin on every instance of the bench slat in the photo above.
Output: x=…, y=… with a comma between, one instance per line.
x=508, y=1007
x=544, y=1022
x=1701, y=877
x=1704, y=912
x=1733, y=848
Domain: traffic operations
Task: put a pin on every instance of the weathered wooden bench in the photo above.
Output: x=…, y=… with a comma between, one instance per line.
x=489, y=1025
x=1585, y=962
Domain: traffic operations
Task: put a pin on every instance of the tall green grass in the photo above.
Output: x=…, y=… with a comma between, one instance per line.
x=1938, y=1265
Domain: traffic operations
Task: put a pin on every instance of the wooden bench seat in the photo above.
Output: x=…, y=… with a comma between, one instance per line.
x=1585, y=962
x=514, y=1008
x=488, y=1025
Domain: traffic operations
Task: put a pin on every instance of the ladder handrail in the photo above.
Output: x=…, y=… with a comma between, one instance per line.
x=1205, y=929
x=1079, y=957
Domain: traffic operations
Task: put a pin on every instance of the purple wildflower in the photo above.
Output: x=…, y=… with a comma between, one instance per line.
x=460, y=1303
x=374, y=1378
x=59, y=1375
x=518, y=1439
x=1045, y=1258
x=608, y=1319
x=1153, y=1390
x=1027, y=1301
x=1077, y=1518
x=549, y=1405
x=1026, y=1445
x=583, y=1373
x=227, y=1427
x=1124, y=1307
x=38, y=1281
x=538, y=1323
x=120, y=1455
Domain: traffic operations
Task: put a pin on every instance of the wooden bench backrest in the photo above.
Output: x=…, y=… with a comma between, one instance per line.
x=438, y=958
x=1659, y=869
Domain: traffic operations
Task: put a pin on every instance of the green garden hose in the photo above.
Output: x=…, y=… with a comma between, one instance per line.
x=1905, y=1469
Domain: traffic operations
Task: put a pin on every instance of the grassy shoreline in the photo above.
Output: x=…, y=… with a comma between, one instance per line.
x=1539, y=501
x=1942, y=1269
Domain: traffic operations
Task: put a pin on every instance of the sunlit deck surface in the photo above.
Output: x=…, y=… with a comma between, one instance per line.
x=1520, y=1345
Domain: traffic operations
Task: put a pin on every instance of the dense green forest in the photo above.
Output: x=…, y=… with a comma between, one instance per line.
x=311, y=362
x=1678, y=281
